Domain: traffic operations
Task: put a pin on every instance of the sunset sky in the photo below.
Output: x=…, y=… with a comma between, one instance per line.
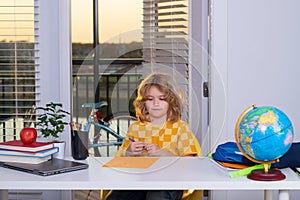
x=119, y=20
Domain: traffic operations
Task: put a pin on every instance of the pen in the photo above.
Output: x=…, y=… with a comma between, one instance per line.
x=132, y=140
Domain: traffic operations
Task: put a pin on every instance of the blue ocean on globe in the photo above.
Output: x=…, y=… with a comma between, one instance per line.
x=265, y=133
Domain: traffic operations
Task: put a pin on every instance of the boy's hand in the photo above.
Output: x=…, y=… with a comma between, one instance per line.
x=136, y=148
x=152, y=148
x=155, y=151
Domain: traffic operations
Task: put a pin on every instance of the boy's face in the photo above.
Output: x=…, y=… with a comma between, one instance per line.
x=156, y=105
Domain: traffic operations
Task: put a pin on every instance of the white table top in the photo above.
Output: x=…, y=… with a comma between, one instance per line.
x=166, y=173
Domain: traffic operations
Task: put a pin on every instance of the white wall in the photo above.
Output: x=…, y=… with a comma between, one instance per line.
x=255, y=49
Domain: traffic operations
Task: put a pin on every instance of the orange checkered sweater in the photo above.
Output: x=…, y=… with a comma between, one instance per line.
x=174, y=137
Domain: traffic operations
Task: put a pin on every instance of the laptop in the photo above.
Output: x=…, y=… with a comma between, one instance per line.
x=47, y=168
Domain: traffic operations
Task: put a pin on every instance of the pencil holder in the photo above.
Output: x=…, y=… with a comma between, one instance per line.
x=79, y=145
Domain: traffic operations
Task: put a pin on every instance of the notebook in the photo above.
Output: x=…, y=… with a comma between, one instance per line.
x=47, y=168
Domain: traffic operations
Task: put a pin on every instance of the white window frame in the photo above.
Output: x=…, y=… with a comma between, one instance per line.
x=55, y=56
x=199, y=71
x=56, y=64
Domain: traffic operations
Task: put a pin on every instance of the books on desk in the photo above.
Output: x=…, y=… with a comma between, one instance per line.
x=39, y=154
x=18, y=145
x=14, y=151
x=24, y=159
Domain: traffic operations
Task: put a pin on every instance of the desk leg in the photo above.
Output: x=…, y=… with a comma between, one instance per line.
x=268, y=195
x=283, y=195
x=4, y=194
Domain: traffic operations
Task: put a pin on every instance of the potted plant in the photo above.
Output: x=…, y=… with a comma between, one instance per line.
x=52, y=121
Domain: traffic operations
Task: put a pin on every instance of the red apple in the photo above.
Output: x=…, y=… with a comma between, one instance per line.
x=28, y=135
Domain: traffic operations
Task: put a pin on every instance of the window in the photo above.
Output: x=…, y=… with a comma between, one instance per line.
x=159, y=38
x=165, y=39
x=111, y=63
x=18, y=68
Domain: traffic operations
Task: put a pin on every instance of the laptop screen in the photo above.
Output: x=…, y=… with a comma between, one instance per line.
x=51, y=167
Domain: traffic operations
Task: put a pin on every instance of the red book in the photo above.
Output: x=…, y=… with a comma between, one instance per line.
x=18, y=145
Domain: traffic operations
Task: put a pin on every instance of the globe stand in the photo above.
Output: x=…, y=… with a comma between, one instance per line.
x=266, y=175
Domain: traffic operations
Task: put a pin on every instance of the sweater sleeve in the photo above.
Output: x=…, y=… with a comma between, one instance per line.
x=186, y=144
x=123, y=148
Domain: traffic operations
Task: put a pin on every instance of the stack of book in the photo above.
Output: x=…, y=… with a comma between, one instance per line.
x=17, y=151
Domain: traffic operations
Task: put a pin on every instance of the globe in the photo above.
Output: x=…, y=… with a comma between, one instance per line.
x=264, y=134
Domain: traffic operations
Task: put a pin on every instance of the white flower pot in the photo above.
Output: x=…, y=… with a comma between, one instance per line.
x=61, y=150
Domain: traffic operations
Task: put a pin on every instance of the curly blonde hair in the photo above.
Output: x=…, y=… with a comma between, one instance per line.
x=172, y=95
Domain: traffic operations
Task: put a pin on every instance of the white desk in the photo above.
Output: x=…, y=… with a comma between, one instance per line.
x=166, y=173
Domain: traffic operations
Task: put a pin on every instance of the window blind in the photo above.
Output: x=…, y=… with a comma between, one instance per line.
x=165, y=43
x=18, y=64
